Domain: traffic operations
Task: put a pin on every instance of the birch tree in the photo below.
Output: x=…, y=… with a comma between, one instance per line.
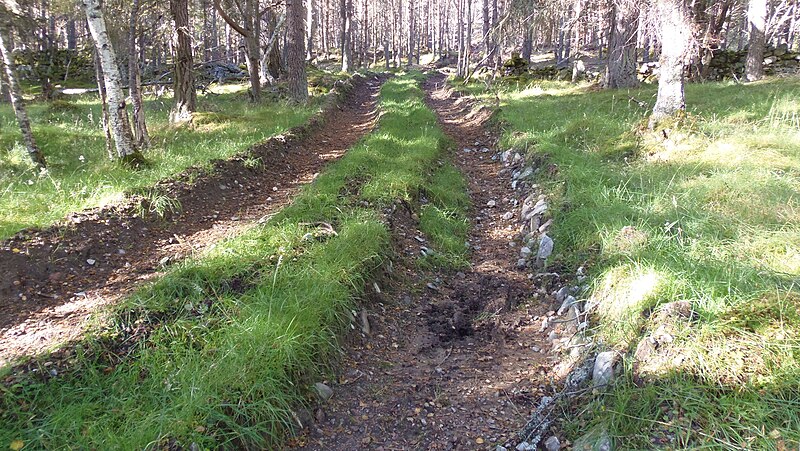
x=675, y=39
x=15, y=92
x=757, y=19
x=118, y=112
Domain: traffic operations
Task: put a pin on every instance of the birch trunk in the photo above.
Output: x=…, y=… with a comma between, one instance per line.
x=118, y=112
x=16, y=99
x=675, y=36
x=346, y=38
x=757, y=19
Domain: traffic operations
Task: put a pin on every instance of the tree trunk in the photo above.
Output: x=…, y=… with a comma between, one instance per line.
x=675, y=36
x=118, y=112
x=140, y=135
x=347, y=34
x=16, y=99
x=295, y=51
x=621, y=68
x=757, y=18
x=411, y=31
x=101, y=91
x=71, y=34
x=311, y=23
x=185, y=93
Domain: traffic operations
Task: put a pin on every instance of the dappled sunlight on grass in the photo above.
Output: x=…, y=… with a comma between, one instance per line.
x=710, y=215
x=80, y=174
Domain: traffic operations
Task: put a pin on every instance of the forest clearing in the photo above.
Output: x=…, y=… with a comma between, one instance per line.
x=400, y=225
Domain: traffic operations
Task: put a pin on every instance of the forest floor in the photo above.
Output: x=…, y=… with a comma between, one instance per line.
x=453, y=360
x=51, y=281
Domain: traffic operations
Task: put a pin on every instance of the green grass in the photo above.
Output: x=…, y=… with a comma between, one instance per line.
x=240, y=333
x=80, y=175
x=711, y=216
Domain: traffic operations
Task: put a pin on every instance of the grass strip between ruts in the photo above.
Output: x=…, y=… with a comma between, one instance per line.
x=237, y=336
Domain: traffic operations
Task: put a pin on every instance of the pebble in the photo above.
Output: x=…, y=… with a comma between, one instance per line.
x=545, y=247
x=603, y=371
x=91, y=261
x=508, y=215
x=491, y=204
x=323, y=391
x=552, y=444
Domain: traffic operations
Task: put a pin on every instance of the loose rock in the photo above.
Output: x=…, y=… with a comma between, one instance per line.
x=603, y=371
x=323, y=391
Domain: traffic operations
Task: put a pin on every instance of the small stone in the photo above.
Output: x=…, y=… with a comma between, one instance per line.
x=91, y=261
x=603, y=371
x=491, y=204
x=567, y=303
x=525, y=252
x=552, y=444
x=521, y=263
x=467, y=150
x=508, y=215
x=562, y=294
x=545, y=247
x=323, y=391
x=525, y=446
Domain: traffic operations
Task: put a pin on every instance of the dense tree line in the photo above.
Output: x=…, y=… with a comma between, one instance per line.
x=274, y=40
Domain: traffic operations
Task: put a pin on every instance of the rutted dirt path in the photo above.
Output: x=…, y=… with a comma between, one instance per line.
x=52, y=281
x=458, y=364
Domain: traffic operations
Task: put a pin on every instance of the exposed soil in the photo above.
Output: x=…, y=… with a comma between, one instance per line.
x=53, y=281
x=448, y=361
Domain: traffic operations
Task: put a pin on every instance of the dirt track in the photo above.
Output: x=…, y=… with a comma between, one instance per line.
x=455, y=368
x=53, y=281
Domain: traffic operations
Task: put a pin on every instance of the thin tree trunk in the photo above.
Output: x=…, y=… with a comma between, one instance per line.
x=140, y=135
x=185, y=93
x=675, y=36
x=118, y=112
x=295, y=51
x=16, y=99
x=101, y=91
x=411, y=26
x=757, y=18
x=311, y=23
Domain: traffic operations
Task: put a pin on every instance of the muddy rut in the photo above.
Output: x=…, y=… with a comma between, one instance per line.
x=450, y=360
x=53, y=281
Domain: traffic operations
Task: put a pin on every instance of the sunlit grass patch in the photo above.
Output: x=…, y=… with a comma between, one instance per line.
x=710, y=217
x=80, y=174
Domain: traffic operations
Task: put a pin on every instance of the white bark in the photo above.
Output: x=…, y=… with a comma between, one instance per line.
x=675, y=40
x=118, y=114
